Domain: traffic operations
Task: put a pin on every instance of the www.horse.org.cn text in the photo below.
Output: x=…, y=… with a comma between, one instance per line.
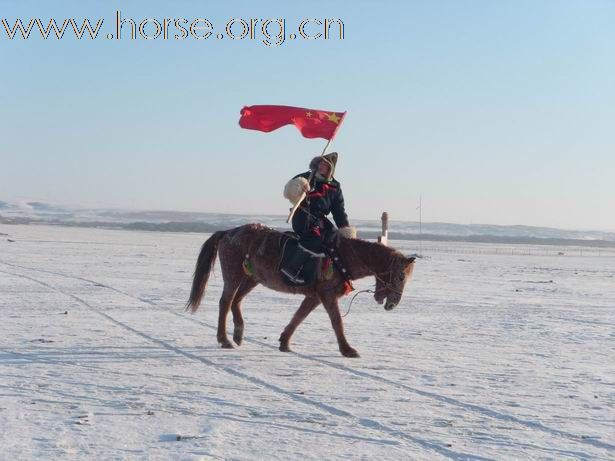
x=271, y=32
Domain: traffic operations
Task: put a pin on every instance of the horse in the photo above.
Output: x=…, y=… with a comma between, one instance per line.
x=250, y=255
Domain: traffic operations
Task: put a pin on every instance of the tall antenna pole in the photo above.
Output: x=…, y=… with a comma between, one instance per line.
x=420, y=225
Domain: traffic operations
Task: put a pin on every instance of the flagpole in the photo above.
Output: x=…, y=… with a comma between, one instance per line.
x=326, y=146
x=296, y=205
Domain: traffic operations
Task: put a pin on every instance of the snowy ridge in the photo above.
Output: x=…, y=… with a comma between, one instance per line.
x=25, y=212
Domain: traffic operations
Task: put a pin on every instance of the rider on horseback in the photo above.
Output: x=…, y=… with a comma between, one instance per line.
x=323, y=196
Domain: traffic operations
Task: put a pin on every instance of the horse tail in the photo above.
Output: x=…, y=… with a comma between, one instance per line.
x=204, y=264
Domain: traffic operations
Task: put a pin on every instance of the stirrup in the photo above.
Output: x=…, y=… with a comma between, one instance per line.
x=293, y=278
x=310, y=252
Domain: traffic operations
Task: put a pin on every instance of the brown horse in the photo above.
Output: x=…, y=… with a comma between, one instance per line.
x=250, y=255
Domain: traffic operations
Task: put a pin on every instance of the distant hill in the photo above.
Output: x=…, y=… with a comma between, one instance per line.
x=177, y=221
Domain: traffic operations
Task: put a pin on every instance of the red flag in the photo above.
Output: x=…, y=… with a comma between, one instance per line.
x=311, y=123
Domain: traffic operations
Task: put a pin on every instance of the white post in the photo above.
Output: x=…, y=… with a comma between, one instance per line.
x=384, y=237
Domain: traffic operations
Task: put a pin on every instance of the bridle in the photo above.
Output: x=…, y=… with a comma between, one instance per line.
x=387, y=285
x=379, y=276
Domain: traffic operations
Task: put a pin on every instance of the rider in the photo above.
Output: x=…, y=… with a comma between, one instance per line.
x=323, y=196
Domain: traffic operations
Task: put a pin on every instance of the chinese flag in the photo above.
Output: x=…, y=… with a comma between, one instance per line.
x=310, y=122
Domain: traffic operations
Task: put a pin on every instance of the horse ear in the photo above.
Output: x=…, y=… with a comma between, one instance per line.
x=410, y=259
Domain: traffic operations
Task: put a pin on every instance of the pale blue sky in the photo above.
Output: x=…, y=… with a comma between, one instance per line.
x=496, y=112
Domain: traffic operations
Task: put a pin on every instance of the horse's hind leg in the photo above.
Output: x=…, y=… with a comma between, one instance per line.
x=246, y=287
x=307, y=306
x=228, y=294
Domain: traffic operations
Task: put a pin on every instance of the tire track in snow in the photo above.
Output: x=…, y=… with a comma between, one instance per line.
x=184, y=410
x=366, y=423
x=93, y=282
x=441, y=398
x=483, y=411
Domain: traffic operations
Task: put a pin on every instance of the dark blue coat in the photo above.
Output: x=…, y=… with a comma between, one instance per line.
x=324, y=198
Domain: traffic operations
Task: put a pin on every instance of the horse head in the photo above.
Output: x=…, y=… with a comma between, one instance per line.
x=390, y=284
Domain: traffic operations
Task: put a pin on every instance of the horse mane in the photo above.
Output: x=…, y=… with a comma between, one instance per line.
x=367, y=245
x=370, y=254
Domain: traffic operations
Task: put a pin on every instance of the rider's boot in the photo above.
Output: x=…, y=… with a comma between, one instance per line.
x=294, y=266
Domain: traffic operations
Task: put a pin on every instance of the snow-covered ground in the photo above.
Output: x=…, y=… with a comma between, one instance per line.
x=488, y=356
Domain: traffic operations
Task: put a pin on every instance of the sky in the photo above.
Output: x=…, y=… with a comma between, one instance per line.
x=490, y=112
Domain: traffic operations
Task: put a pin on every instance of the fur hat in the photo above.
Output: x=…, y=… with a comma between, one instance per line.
x=330, y=158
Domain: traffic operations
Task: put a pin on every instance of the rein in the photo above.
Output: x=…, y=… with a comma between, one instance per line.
x=355, y=295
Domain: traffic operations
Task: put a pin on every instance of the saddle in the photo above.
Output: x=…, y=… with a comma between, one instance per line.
x=314, y=265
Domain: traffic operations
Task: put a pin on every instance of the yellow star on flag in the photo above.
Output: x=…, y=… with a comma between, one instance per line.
x=308, y=114
x=334, y=118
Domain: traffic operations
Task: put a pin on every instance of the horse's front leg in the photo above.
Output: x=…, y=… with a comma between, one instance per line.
x=307, y=306
x=333, y=309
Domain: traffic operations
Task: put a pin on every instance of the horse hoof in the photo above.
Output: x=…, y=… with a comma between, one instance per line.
x=226, y=345
x=238, y=335
x=284, y=348
x=352, y=353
